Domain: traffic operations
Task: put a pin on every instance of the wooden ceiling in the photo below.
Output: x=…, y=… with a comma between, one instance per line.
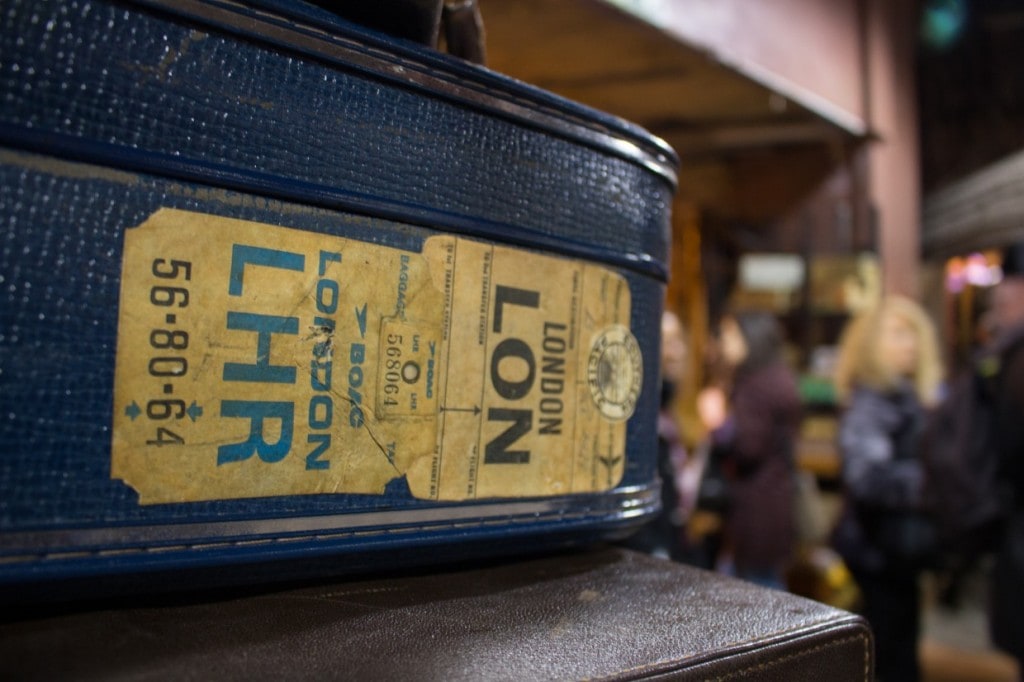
x=746, y=151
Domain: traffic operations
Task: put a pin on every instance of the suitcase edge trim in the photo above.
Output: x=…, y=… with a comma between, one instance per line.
x=53, y=551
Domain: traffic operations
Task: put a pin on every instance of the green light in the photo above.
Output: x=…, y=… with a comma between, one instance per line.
x=942, y=22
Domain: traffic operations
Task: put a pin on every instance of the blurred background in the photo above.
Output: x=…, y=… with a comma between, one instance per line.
x=832, y=152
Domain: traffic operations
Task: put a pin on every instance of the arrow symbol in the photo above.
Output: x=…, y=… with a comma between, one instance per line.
x=361, y=319
x=475, y=409
x=610, y=461
x=194, y=411
x=133, y=411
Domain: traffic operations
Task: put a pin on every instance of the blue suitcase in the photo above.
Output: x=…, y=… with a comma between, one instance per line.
x=274, y=287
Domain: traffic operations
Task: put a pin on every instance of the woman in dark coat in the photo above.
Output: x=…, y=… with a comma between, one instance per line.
x=757, y=443
x=1007, y=352
x=888, y=375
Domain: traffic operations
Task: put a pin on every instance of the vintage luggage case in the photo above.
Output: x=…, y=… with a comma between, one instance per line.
x=603, y=614
x=275, y=287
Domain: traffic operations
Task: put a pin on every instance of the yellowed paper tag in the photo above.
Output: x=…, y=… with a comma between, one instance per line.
x=255, y=360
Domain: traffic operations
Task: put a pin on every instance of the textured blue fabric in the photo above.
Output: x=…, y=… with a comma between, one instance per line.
x=110, y=111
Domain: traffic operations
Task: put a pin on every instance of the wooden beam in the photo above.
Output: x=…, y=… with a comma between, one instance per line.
x=717, y=139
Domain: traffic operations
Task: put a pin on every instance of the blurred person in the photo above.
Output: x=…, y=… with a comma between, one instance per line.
x=664, y=536
x=756, y=443
x=888, y=374
x=1005, y=357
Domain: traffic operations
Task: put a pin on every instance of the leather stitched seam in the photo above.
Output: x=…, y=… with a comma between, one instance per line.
x=647, y=668
x=801, y=654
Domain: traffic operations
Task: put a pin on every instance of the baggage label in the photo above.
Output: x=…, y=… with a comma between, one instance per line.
x=255, y=360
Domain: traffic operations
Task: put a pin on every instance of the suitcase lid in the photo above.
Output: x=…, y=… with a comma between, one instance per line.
x=413, y=65
x=283, y=99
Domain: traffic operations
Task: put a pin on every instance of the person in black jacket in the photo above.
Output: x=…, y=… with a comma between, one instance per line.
x=1007, y=350
x=888, y=375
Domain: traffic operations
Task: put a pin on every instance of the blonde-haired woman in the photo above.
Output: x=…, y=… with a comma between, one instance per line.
x=888, y=376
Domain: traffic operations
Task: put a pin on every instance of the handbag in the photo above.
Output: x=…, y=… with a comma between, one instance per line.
x=809, y=513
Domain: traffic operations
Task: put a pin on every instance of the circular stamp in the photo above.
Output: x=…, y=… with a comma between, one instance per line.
x=615, y=372
x=410, y=372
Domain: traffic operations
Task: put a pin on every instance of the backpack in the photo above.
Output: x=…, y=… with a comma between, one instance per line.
x=963, y=490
